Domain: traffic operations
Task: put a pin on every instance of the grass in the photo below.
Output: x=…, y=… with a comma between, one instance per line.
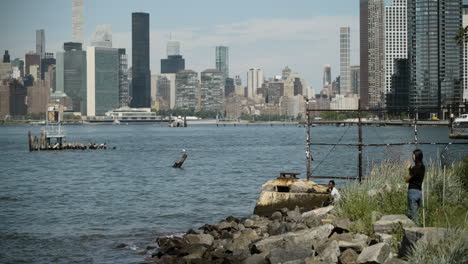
x=385, y=192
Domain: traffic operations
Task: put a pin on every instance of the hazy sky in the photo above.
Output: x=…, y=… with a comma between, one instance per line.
x=267, y=34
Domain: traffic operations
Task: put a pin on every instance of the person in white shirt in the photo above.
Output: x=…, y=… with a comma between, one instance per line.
x=335, y=195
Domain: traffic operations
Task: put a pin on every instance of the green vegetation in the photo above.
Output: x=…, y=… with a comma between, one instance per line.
x=181, y=112
x=385, y=192
x=337, y=116
x=453, y=248
x=264, y=118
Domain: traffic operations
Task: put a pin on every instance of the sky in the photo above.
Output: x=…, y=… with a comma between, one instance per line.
x=266, y=34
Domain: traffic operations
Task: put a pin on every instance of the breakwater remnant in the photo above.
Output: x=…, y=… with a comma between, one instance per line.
x=290, y=236
x=57, y=142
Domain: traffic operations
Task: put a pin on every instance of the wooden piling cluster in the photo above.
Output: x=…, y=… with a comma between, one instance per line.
x=43, y=143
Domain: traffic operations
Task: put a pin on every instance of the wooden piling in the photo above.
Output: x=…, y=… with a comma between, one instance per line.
x=179, y=164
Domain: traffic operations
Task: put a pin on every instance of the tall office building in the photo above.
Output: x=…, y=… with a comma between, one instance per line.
x=103, y=66
x=71, y=75
x=326, y=75
x=102, y=37
x=46, y=61
x=124, y=93
x=186, y=90
x=212, y=90
x=174, y=62
x=465, y=56
x=372, y=53
x=6, y=57
x=435, y=58
x=254, y=81
x=32, y=59
x=141, y=75
x=396, y=42
x=40, y=42
x=77, y=21
x=345, y=60
x=166, y=90
x=222, y=60
x=355, y=79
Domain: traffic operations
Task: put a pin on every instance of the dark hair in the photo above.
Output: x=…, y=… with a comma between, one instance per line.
x=332, y=181
x=418, y=156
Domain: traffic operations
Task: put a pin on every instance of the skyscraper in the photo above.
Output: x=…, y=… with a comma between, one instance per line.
x=212, y=86
x=326, y=75
x=166, y=90
x=435, y=58
x=32, y=59
x=40, y=43
x=71, y=75
x=222, y=60
x=372, y=52
x=174, y=61
x=465, y=56
x=77, y=21
x=254, y=81
x=103, y=66
x=124, y=94
x=46, y=61
x=186, y=90
x=102, y=37
x=141, y=75
x=355, y=79
x=6, y=57
x=396, y=42
x=285, y=73
x=345, y=58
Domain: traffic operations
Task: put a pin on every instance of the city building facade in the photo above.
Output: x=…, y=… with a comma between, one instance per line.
x=254, y=81
x=222, y=60
x=141, y=75
x=356, y=79
x=345, y=60
x=77, y=21
x=40, y=43
x=186, y=90
x=212, y=90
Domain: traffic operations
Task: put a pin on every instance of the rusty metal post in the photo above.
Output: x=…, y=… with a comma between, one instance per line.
x=308, y=155
x=359, y=142
x=416, y=116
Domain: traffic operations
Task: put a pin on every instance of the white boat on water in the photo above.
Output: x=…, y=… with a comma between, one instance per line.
x=461, y=121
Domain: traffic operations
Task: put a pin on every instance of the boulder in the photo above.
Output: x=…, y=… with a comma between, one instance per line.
x=377, y=253
x=348, y=256
x=342, y=225
x=355, y=244
x=256, y=259
x=331, y=252
x=389, y=223
x=314, y=218
x=416, y=234
x=382, y=237
x=223, y=225
x=195, y=251
x=277, y=216
x=395, y=261
x=200, y=239
x=284, y=255
x=294, y=215
x=298, y=238
x=246, y=237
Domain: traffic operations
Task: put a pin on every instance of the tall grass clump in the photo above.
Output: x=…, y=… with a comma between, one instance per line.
x=385, y=192
x=453, y=248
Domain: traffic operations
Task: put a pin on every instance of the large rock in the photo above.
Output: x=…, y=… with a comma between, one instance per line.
x=349, y=256
x=294, y=215
x=314, y=217
x=356, y=244
x=389, y=223
x=417, y=234
x=302, y=238
x=382, y=237
x=195, y=252
x=282, y=255
x=330, y=253
x=289, y=193
x=200, y=239
x=377, y=253
x=256, y=259
x=246, y=237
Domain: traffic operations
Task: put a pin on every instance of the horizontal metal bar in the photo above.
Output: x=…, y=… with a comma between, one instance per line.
x=336, y=177
x=390, y=144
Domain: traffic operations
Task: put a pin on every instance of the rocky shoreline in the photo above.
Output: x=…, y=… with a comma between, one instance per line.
x=293, y=237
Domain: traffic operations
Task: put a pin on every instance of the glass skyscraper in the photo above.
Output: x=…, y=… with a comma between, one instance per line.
x=435, y=58
x=141, y=76
x=222, y=60
x=345, y=60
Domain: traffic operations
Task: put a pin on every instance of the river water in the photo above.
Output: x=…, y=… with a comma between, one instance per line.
x=77, y=206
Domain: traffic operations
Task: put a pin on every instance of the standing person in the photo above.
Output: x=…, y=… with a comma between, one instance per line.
x=415, y=181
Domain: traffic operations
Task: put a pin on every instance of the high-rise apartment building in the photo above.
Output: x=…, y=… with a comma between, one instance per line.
x=40, y=42
x=71, y=75
x=77, y=21
x=465, y=56
x=174, y=62
x=396, y=42
x=254, y=81
x=141, y=75
x=355, y=79
x=222, y=60
x=212, y=90
x=371, y=20
x=102, y=37
x=186, y=90
x=103, y=66
x=32, y=59
x=345, y=60
x=435, y=58
x=166, y=90
x=46, y=61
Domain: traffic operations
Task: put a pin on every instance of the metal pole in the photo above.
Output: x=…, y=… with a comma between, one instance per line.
x=308, y=156
x=359, y=142
x=416, y=129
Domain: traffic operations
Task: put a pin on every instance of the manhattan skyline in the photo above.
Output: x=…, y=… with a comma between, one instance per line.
x=267, y=35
